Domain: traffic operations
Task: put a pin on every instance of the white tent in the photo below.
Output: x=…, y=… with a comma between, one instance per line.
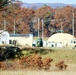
x=60, y=39
x=4, y=37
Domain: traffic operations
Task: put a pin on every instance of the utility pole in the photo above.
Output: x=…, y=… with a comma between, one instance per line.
x=61, y=27
x=38, y=26
x=4, y=22
x=42, y=29
x=73, y=22
x=14, y=27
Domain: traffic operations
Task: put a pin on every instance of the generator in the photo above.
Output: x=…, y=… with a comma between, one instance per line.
x=39, y=42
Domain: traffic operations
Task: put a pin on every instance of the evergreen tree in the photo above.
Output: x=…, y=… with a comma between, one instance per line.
x=4, y=3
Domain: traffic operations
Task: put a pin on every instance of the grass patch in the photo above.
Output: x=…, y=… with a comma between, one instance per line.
x=69, y=56
x=36, y=38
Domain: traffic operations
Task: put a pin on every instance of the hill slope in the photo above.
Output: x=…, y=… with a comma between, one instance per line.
x=53, y=5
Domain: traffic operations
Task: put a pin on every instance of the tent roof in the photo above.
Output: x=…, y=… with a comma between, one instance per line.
x=59, y=37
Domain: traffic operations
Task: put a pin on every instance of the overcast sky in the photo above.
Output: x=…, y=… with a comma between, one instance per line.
x=50, y=1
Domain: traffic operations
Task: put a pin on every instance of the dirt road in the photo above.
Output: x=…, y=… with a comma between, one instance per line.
x=71, y=70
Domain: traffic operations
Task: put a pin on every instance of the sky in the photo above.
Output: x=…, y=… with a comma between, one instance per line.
x=50, y=1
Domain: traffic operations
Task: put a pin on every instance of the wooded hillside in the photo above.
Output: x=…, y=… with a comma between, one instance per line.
x=26, y=20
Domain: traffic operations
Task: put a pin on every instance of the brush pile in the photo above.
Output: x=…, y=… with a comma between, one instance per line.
x=32, y=62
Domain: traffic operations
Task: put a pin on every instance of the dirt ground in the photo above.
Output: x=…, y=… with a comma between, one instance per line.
x=71, y=70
